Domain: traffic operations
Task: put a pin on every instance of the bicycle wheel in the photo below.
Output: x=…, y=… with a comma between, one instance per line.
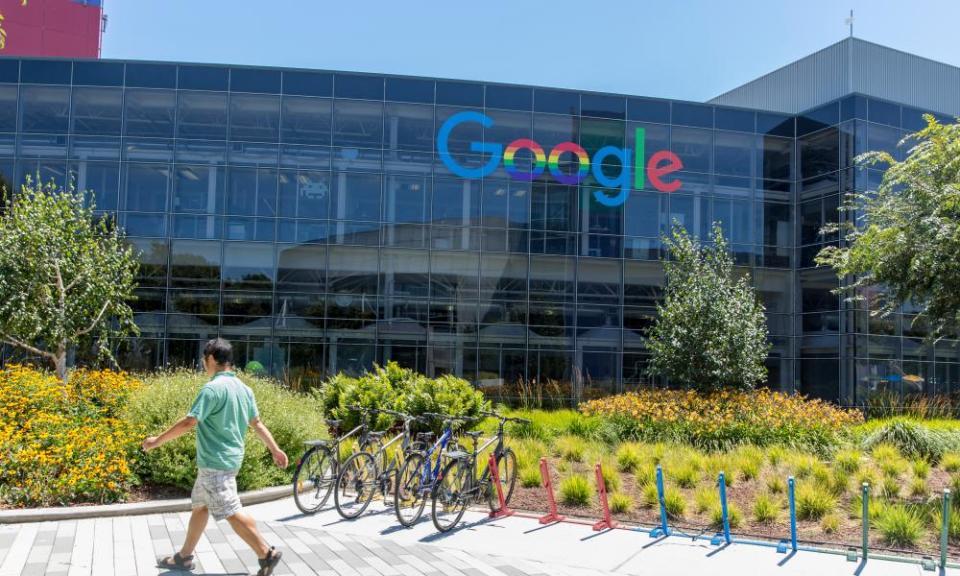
x=356, y=485
x=409, y=498
x=313, y=479
x=448, y=500
x=507, y=467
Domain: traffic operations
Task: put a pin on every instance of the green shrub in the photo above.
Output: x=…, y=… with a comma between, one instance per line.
x=734, y=516
x=910, y=438
x=400, y=389
x=847, y=460
x=875, y=505
x=803, y=465
x=884, y=451
x=575, y=490
x=629, y=457
x=749, y=468
x=292, y=418
x=830, y=523
x=813, y=503
x=901, y=526
x=921, y=468
x=951, y=462
x=570, y=448
x=839, y=482
x=765, y=509
x=892, y=469
x=776, y=485
x=674, y=502
x=646, y=475
x=620, y=503
x=776, y=454
x=953, y=530
x=530, y=477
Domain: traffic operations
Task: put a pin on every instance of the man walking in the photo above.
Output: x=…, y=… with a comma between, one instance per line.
x=221, y=413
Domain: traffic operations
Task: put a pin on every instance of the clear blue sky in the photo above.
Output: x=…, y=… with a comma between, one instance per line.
x=685, y=49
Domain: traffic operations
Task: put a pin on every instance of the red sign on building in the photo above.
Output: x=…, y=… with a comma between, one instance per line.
x=60, y=28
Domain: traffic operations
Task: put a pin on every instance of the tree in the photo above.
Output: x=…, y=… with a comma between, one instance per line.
x=710, y=330
x=65, y=275
x=902, y=241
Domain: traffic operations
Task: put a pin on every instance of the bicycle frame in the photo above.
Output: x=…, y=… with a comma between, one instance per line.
x=429, y=474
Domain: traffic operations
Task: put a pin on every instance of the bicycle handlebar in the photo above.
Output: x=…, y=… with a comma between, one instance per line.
x=503, y=418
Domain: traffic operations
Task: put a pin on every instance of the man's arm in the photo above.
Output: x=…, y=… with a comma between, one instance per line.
x=182, y=426
x=279, y=456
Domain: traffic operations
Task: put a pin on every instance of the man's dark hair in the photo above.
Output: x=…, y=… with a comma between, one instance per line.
x=220, y=349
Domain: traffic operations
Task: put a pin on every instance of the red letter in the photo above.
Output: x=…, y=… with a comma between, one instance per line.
x=655, y=172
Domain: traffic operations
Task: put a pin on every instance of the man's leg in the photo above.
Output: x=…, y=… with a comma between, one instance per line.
x=246, y=528
x=198, y=521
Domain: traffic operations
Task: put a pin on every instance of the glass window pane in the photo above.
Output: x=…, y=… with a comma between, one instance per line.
x=358, y=124
x=694, y=147
x=302, y=268
x=151, y=75
x=456, y=202
x=556, y=101
x=460, y=93
x=308, y=83
x=10, y=70
x=509, y=97
x=734, y=153
x=146, y=187
x=643, y=213
x=199, y=227
x=776, y=158
x=8, y=108
x=248, y=266
x=150, y=113
x=304, y=194
x=409, y=127
x=306, y=120
x=194, y=264
x=98, y=74
x=255, y=80
x=602, y=106
x=203, y=78
x=356, y=197
x=101, y=179
x=199, y=188
x=357, y=86
x=97, y=111
x=254, y=118
x=733, y=119
x=45, y=72
x=554, y=207
x=407, y=199
x=819, y=153
x=410, y=90
x=202, y=115
x=252, y=191
x=44, y=109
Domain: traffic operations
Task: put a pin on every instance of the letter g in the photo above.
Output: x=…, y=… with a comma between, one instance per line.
x=443, y=146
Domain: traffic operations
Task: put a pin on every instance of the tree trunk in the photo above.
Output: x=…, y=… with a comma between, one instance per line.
x=60, y=365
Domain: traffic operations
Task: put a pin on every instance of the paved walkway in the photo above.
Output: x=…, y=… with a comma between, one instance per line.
x=375, y=546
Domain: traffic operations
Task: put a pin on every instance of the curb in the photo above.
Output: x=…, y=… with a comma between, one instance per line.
x=20, y=516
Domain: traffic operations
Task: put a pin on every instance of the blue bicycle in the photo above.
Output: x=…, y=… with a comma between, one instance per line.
x=420, y=470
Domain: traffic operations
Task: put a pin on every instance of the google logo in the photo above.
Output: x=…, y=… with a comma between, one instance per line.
x=633, y=170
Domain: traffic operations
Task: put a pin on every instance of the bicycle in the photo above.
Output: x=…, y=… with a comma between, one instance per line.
x=459, y=485
x=416, y=478
x=365, y=472
x=319, y=466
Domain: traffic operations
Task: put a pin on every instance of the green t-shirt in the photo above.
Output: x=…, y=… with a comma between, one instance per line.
x=223, y=409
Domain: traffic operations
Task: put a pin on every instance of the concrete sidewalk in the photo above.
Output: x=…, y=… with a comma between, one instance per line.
x=374, y=545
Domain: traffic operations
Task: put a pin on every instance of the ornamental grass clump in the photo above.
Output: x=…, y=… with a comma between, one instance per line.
x=620, y=503
x=674, y=502
x=629, y=457
x=951, y=462
x=570, y=448
x=813, y=503
x=765, y=509
x=530, y=477
x=734, y=516
x=901, y=525
x=575, y=490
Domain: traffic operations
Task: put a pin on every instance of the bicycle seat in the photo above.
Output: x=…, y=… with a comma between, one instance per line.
x=474, y=434
x=376, y=434
x=333, y=423
x=317, y=442
x=425, y=436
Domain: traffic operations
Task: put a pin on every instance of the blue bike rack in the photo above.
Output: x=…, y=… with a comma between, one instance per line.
x=724, y=513
x=663, y=530
x=782, y=546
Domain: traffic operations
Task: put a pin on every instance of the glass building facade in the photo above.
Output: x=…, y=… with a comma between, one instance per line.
x=306, y=216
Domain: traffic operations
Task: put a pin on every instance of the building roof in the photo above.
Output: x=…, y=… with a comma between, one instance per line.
x=847, y=67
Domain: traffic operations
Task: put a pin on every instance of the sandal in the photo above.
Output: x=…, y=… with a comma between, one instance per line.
x=270, y=562
x=176, y=562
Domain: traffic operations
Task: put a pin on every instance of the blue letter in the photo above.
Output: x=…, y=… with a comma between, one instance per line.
x=622, y=181
x=443, y=146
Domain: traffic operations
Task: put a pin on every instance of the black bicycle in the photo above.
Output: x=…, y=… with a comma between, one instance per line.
x=368, y=471
x=459, y=485
x=320, y=465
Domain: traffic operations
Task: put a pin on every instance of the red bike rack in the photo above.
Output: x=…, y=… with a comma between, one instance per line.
x=503, y=511
x=547, y=483
x=607, y=523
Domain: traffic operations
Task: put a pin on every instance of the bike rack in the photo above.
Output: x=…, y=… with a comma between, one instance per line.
x=782, y=546
x=607, y=523
x=664, y=529
x=547, y=483
x=502, y=511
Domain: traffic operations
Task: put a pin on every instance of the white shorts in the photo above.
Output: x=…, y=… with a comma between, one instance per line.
x=217, y=490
